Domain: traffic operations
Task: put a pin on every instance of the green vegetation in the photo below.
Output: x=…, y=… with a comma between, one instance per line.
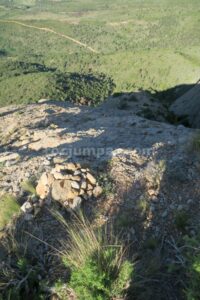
x=8, y=208
x=181, y=220
x=125, y=220
x=106, y=181
x=19, y=278
x=143, y=204
x=97, y=265
x=141, y=44
x=29, y=186
x=29, y=279
x=96, y=258
x=192, y=256
x=22, y=82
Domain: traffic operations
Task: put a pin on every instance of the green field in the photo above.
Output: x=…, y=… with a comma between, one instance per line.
x=146, y=44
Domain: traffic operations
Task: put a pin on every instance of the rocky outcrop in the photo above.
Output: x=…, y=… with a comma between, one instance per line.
x=187, y=107
x=148, y=161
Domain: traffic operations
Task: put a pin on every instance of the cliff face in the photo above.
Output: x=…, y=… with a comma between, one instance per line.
x=187, y=106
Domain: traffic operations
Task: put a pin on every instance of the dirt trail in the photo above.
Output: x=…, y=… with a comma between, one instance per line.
x=52, y=31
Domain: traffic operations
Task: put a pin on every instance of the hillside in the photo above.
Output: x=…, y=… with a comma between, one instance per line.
x=143, y=45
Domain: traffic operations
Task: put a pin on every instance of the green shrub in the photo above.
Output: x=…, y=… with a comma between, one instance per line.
x=98, y=267
x=19, y=275
x=192, y=255
x=106, y=181
x=23, y=82
x=20, y=280
x=89, y=88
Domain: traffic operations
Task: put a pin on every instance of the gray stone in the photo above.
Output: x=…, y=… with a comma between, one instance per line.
x=75, y=185
x=28, y=217
x=180, y=207
x=190, y=201
x=164, y=214
x=27, y=207
x=84, y=185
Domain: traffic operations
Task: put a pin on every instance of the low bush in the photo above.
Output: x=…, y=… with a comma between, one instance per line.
x=99, y=269
x=86, y=89
x=19, y=271
x=192, y=256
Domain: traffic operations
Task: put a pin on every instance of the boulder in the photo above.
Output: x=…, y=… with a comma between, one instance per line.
x=187, y=107
x=62, y=190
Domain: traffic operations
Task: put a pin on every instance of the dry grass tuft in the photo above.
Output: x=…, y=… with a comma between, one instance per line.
x=97, y=260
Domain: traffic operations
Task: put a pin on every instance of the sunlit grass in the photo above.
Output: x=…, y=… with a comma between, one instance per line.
x=8, y=208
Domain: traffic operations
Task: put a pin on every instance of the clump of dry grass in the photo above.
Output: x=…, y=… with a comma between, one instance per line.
x=28, y=186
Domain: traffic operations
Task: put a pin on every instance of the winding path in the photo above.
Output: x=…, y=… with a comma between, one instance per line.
x=46, y=29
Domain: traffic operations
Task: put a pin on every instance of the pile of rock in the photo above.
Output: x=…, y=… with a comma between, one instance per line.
x=68, y=184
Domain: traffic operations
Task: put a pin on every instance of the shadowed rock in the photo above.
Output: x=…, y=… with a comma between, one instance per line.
x=187, y=107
